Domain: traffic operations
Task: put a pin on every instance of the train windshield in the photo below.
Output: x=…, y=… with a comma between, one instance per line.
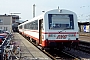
x=61, y=21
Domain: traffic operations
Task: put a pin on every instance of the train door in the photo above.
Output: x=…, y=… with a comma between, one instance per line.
x=40, y=31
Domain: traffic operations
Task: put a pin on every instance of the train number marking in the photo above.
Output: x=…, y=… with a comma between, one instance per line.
x=61, y=37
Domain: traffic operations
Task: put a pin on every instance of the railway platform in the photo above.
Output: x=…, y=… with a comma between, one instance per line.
x=84, y=36
x=28, y=50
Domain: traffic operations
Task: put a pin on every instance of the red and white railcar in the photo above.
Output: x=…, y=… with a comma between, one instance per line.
x=54, y=28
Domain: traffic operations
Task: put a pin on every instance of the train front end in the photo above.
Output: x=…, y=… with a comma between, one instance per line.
x=61, y=30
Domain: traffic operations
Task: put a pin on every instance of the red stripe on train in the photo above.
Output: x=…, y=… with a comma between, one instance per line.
x=53, y=32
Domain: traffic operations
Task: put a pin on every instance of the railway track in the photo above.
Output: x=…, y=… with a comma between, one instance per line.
x=84, y=46
x=79, y=54
x=57, y=55
x=84, y=42
x=82, y=52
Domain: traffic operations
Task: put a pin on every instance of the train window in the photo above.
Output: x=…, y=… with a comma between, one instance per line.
x=20, y=27
x=36, y=25
x=33, y=25
x=25, y=26
x=42, y=24
x=60, y=21
x=28, y=25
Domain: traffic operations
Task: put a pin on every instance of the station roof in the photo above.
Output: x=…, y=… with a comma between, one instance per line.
x=13, y=16
x=84, y=23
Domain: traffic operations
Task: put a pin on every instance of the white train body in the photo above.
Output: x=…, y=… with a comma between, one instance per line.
x=53, y=28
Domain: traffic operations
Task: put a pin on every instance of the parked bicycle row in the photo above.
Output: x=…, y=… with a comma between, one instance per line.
x=6, y=45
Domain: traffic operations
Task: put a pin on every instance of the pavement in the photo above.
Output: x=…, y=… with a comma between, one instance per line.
x=84, y=34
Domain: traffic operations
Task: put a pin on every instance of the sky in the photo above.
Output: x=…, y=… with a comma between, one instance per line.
x=25, y=7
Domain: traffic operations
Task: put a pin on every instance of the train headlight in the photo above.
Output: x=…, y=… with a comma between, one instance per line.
x=51, y=35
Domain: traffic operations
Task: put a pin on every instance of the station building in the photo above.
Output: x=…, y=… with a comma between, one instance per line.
x=7, y=22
